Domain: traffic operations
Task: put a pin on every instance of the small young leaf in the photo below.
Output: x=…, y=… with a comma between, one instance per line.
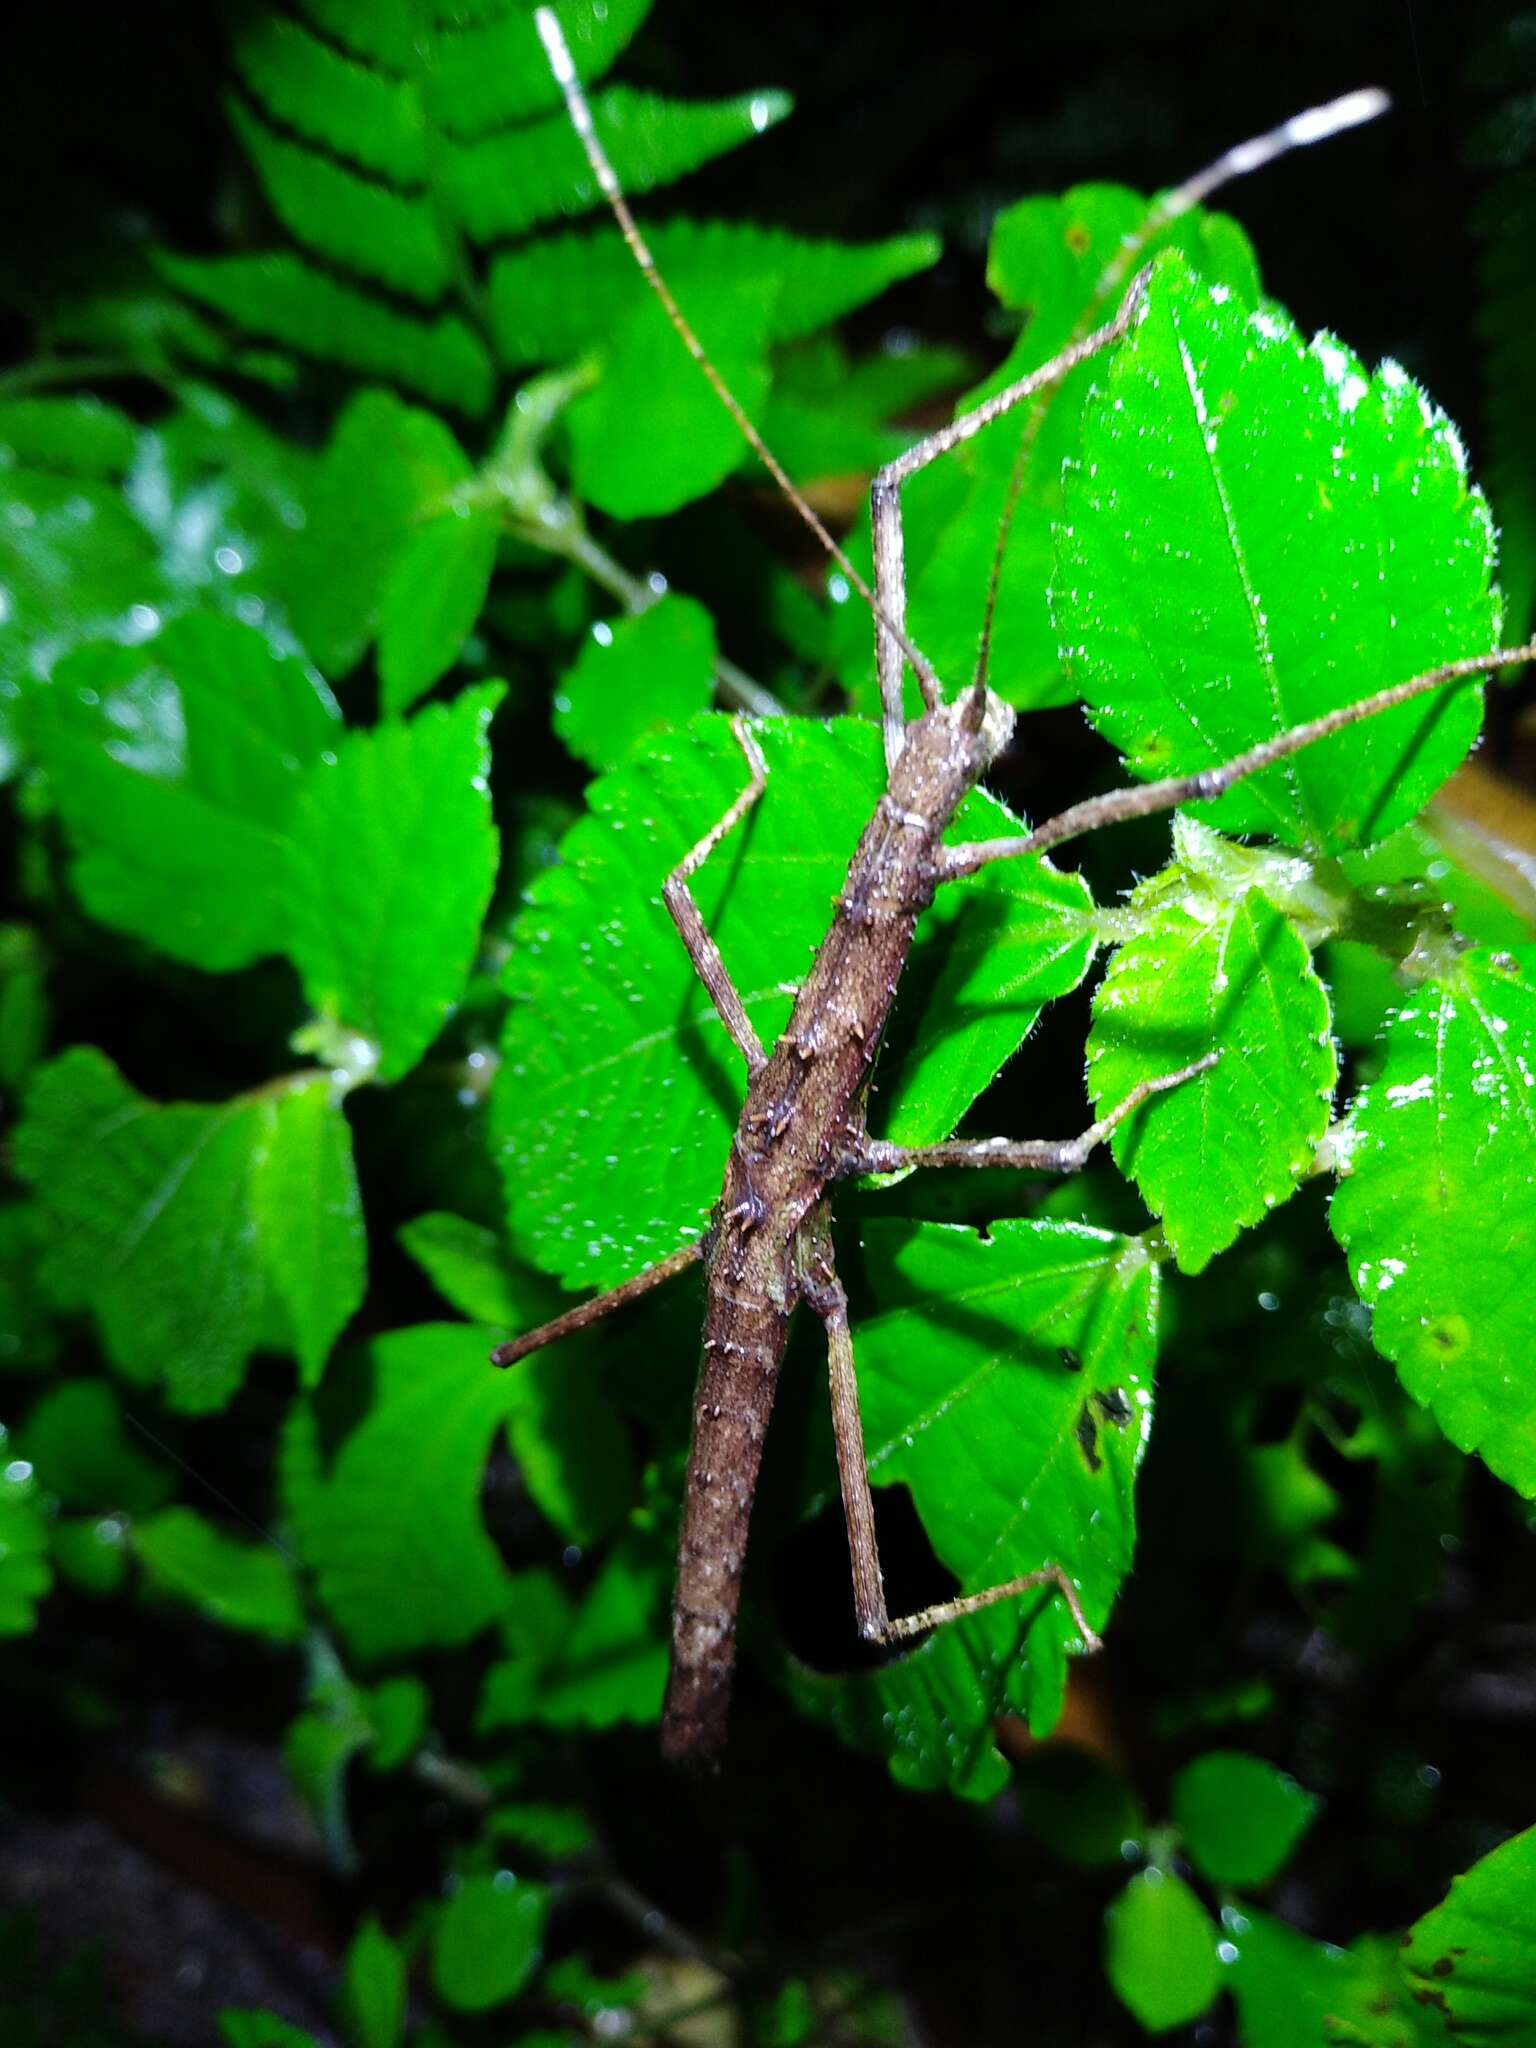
x=1474, y=1956
x=634, y=675
x=176, y=767
x=487, y=1940
x=25, y=1574
x=1219, y=972
x=1160, y=1951
x=435, y=593
x=1257, y=533
x=75, y=1441
x=392, y=855
x=386, y=467
x=234, y=1581
x=305, y=1204
x=374, y=1990
x=1239, y=1817
x=391, y=1525
x=1438, y=1185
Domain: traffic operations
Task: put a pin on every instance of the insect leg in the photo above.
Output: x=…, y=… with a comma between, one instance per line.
x=1043, y=1155
x=885, y=508
x=702, y=950
x=1143, y=799
x=825, y=1294
x=593, y=1311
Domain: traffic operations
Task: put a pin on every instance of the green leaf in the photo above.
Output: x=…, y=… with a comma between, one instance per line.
x=1258, y=532
x=306, y=1207
x=289, y=301
x=1474, y=1956
x=1061, y=262
x=25, y=1574
x=1290, y=1990
x=606, y=1665
x=1006, y=1381
x=612, y=1112
x=470, y=1268
x=24, y=1005
x=1240, y=1818
x=561, y=296
x=390, y=1524
x=1079, y=1807
x=398, y=1711
x=176, y=768
x=487, y=1940
x=374, y=1990
x=313, y=89
x=386, y=467
x=262, y=2030
x=434, y=596
x=555, y=1831
x=641, y=441
x=392, y=855
x=150, y=1220
x=488, y=68
x=235, y=1582
x=1160, y=1951
x=221, y=495
x=1215, y=968
x=71, y=436
x=507, y=183
x=172, y=1223
x=393, y=238
x=634, y=675
x=1437, y=1186
x=75, y=565
x=75, y=1440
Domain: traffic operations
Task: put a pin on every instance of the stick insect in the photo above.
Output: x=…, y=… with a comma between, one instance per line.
x=802, y=1128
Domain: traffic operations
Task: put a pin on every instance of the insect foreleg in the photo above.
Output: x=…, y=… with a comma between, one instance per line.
x=885, y=507
x=1143, y=799
x=824, y=1293
x=1040, y=1155
x=702, y=950
x=588, y=1312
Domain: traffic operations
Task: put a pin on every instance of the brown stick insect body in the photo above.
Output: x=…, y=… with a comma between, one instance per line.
x=802, y=1128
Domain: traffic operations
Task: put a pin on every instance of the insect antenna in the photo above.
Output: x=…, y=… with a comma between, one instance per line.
x=1317, y=124
x=563, y=67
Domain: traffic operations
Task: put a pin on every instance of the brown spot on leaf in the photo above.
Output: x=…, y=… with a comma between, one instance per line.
x=1088, y=1439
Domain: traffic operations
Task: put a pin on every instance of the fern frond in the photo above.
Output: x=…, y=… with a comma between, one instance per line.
x=553, y=301
x=513, y=181
x=286, y=299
